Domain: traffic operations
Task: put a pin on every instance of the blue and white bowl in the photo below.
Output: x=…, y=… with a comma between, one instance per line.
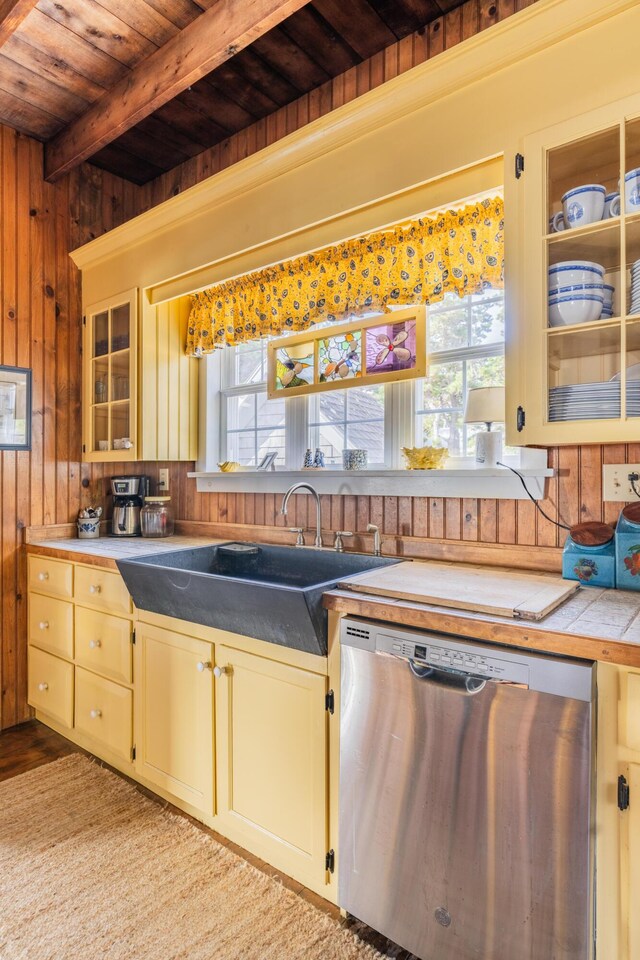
x=567, y=310
x=583, y=205
x=632, y=191
x=568, y=272
x=577, y=290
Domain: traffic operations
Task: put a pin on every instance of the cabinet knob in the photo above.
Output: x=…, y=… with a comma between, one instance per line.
x=94, y=644
x=95, y=714
x=43, y=576
x=218, y=671
x=43, y=686
x=44, y=624
x=203, y=665
x=94, y=588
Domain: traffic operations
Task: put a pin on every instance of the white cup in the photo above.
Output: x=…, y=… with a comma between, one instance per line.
x=103, y=444
x=611, y=206
x=632, y=191
x=584, y=204
x=556, y=223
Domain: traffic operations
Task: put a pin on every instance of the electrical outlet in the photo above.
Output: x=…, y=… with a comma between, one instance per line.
x=615, y=481
x=163, y=481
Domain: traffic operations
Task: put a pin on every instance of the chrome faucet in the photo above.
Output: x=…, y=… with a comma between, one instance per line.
x=314, y=493
x=377, y=546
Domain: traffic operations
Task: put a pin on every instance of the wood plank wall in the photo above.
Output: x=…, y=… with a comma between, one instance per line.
x=41, y=324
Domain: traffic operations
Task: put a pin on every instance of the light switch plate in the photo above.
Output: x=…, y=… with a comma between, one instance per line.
x=163, y=481
x=615, y=481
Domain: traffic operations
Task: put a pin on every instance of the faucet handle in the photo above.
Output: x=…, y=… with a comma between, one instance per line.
x=300, y=537
x=337, y=543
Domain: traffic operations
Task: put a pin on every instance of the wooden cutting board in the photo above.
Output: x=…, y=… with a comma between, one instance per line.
x=505, y=593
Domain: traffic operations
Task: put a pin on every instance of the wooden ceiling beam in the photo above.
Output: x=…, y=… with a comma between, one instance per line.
x=216, y=36
x=12, y=13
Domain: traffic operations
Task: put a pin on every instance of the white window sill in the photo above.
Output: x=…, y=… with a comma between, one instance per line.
x=460, y=478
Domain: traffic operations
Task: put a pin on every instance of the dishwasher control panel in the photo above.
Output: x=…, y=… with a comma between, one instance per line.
x=453, y=657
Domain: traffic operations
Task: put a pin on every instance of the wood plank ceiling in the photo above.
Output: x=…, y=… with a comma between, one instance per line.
x=64, y=55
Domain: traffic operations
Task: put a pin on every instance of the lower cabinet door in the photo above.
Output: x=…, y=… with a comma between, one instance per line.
x=174, y=697
x=104, y=712
x=633, y=860
x=51, y=686
x=271, y=762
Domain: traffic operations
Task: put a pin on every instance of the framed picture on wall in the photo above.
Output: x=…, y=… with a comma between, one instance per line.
x=15, y=408
x=377, y=349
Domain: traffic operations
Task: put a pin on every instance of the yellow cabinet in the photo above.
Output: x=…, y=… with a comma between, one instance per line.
x=271, y=761
x=51, y=624
x=51, y=686
x=573, y=370
x=53, y=577
x=104, y=713
x=633, y=860
x=103, y=644
x=139, y=388
x=174, y=708
x=100, y=588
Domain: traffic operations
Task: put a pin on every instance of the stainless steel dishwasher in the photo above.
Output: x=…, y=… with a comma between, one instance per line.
x=466, y=795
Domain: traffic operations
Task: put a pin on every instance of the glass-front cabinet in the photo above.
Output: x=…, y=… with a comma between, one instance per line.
x=110, y=379
x=578, y=324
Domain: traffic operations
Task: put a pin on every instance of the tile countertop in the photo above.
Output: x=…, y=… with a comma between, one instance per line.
x=594, y=624
x=104, y=551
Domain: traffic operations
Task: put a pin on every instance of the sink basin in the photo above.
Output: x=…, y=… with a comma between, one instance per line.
x=269, y=592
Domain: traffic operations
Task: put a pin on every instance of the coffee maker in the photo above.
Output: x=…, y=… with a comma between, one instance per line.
x=128, y=499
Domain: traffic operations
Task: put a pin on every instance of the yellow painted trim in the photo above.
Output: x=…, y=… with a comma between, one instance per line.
x=480, y=56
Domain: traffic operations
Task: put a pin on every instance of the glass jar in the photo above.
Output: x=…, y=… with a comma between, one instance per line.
x=156, y=517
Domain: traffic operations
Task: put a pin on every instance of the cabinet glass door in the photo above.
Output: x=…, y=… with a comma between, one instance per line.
x=110, y=336
x=592, y=281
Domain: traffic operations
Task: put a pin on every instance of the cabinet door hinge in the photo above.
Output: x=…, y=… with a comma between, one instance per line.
x=330, y=702
x=133, y=753
x=623, y=793
x=84, y=448
x=330, y=861
x=520, y=419
x=84, y=321
x=519, y=165
x=133, y=637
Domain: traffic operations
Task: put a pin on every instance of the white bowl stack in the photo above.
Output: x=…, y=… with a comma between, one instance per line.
x=576, y=292
x=635, y=288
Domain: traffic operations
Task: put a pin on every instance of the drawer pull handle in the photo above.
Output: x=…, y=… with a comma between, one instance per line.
x=44, y=624
x=42, y=687
x=218, y=671
x=43, y=576
x=203, y=665
x=95, y=588
x=94, y=644
x=95, y=714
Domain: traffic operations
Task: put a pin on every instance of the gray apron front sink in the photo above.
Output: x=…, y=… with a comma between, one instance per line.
x=257, y=590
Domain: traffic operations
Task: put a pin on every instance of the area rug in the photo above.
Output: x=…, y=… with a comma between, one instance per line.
x=92, y=870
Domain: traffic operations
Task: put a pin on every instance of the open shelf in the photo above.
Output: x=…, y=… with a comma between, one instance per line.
x=598, y=242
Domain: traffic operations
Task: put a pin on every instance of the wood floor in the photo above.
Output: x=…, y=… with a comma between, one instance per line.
x=31, y=744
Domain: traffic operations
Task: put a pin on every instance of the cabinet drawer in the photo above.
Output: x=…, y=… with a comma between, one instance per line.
x=51, y=686
x=53, y=577
x=103, y=644
x=104, y=712
x=51, y=624
x=100, y=588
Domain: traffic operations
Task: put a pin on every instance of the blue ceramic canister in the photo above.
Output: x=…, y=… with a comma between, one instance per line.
x=628, y=548
x=589, y=555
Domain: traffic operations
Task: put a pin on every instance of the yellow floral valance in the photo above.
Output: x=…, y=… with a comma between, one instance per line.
x=459, y=251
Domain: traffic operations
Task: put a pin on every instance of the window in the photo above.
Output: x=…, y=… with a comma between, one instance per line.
x=466, y=349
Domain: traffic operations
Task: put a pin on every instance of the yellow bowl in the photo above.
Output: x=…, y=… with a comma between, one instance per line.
x=425, y=458
x=229, y=466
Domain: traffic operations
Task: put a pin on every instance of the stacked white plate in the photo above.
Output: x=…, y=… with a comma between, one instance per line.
x=586, y=401
x=635, y=288
x=633, y=398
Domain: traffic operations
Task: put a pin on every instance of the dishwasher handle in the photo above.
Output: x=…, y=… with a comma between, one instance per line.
x=455, y=680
